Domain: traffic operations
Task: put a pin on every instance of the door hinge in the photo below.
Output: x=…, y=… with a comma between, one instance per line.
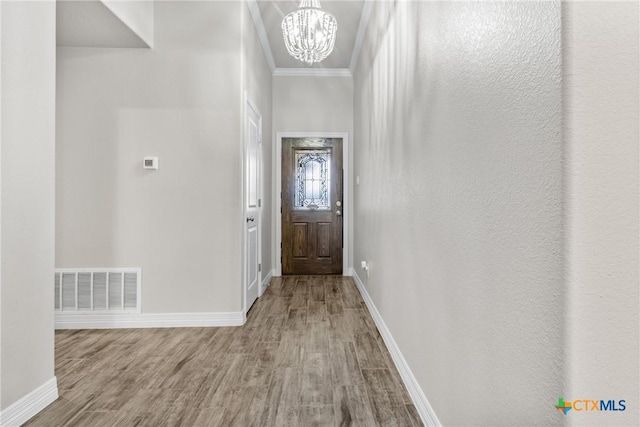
x=259, y=267
x=259, y=203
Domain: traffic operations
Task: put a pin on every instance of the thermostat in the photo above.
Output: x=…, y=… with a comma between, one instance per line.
x=150, y=163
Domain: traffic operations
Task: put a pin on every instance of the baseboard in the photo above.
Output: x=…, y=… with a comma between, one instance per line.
x=266, y=281
x=420, y=401
x=24, y=409
x=349, y=272
x=146, y=320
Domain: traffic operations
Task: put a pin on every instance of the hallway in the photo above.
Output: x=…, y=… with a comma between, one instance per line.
x=308, y=355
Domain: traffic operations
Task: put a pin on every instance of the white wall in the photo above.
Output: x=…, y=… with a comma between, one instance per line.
x=312, y=104
x=459, y=208
x=602, y=114
x=95, y=23
x=27, y=197
x=180, y=101
x=315, y=104
x=257, y=83
x=137, y=15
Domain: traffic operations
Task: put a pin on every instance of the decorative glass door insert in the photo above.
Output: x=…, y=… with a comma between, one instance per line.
x=312, y=180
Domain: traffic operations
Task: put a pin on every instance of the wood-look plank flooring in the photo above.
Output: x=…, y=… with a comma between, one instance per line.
x=309, y=355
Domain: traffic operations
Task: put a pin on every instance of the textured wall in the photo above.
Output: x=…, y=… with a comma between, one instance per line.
x=27, y=197
x=602, y=117
x=459, y=209
x=181, y=102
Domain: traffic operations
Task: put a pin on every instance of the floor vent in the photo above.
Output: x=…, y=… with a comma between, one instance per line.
x=113, y=290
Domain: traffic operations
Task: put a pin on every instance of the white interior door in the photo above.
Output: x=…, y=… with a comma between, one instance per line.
x=253, y=139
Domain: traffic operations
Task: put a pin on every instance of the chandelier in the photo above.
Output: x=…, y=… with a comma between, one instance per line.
x=309, y=32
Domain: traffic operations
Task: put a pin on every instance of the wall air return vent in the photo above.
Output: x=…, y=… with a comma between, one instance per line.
x=98, y=290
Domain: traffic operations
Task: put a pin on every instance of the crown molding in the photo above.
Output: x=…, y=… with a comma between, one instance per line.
x=312, y=72
x=362, y=29
x=254, y=9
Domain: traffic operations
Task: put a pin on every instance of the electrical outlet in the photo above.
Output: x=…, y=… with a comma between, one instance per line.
x=365, y=267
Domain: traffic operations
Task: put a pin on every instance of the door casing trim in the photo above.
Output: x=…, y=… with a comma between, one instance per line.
x=346, y=194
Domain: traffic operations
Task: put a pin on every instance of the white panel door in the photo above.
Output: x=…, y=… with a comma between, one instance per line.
x=253, y=131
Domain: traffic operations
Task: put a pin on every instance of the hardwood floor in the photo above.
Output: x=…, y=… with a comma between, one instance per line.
x=309, y=355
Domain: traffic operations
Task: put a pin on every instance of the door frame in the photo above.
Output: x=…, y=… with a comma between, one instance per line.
x=250, y=104
x=346, y=194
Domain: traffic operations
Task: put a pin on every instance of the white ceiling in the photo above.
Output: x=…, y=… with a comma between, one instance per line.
x=90, y=23
x=268, y=14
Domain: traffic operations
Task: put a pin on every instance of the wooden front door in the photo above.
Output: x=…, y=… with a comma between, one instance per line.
x=312, y=206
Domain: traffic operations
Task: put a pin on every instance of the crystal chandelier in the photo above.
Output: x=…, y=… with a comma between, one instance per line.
x=309, y=32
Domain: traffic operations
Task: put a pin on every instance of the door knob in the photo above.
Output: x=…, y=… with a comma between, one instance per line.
x=250, y=219
x=338, y=203
x=338, y=213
